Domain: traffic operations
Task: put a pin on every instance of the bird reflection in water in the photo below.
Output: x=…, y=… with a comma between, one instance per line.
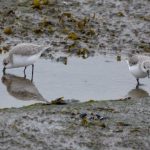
x=138, y=93
x=21, y=88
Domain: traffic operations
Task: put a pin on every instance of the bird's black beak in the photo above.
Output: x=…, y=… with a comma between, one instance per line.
x=4, y=69
x=148, y=73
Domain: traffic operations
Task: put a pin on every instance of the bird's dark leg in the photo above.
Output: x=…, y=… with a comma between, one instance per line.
x=4, y=69
x=148, y=73
x=25, y=71
x=138, y=83
x=32, y=72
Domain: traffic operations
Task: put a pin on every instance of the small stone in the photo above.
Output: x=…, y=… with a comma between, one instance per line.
x=118, y=58
x=64, y=110
x=83, y=115
x=98, y=116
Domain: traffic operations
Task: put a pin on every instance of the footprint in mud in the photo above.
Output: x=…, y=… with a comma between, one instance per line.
x=21, y=88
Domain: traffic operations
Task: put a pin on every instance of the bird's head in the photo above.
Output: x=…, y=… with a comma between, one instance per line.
x=145, y=66
x=6, y=62
x=132, y=60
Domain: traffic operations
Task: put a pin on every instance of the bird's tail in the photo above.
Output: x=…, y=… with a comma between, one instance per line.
x=127, y=61
x=46, y=48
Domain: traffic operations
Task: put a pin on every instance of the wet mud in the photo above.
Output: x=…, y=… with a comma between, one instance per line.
x=124, y=124
x=82, y=28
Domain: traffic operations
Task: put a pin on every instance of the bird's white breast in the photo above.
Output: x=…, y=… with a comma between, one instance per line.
x=22, y=61
x=137, y=72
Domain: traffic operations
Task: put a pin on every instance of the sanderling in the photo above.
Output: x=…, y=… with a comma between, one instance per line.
x=139, y=66
x=23, y=55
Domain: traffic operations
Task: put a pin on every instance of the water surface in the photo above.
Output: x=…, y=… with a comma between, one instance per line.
x=99, y=78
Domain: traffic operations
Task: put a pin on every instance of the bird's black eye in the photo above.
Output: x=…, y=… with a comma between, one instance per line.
x=5, y=63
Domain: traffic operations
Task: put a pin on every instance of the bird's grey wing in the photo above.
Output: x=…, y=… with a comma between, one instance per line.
x=137, y=59
x=143, y=58
x=25, y=49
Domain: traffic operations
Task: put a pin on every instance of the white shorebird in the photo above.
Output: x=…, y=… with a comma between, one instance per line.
x=139, y=66
x=23, y=55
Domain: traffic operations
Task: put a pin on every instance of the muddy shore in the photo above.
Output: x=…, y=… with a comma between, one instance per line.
x=126, y=125
x=81, y=28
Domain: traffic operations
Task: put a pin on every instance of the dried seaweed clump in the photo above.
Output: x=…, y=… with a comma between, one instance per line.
x=79, y=30
x=38, y=3
x=8, y=30
x=145, y=46
x=72, y=36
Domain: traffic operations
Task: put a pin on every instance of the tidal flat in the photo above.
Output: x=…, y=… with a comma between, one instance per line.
x=77, y=29
x=125, y=125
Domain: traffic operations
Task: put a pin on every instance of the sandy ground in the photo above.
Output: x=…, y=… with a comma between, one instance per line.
x=126, y=125
x=80, y=28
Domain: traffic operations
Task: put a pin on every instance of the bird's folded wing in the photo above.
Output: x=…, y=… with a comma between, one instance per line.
x=25, y=50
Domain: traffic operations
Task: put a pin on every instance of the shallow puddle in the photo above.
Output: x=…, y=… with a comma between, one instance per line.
x=98, y=78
